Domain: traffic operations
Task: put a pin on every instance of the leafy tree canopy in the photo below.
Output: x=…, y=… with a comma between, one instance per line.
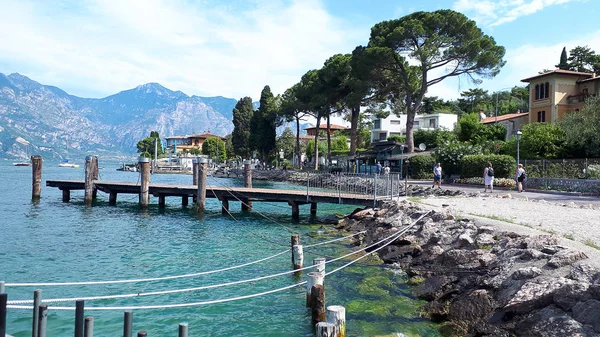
x=147, y=144
x=240, y=138
x=582, y=129
x=215, y=148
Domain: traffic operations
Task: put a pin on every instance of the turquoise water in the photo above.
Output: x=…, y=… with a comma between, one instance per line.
x=52, y=241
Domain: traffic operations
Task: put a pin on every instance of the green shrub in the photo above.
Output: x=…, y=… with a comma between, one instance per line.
x=433, y=138
x=450, y=154
x=422, y=166
x=473, y=165
x=397, y=139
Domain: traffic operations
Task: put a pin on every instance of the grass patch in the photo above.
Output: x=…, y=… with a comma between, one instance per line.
x=569, y=236
x=591, y=243
x=494, y=217
x=414, y=199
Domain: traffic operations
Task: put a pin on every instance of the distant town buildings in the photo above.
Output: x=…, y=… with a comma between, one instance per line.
x=178, y=144
x=396, y=125
x=311, y=131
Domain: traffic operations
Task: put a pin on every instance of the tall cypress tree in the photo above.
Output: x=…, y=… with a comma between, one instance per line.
x=263, y=124
x=240, y=138
x=564, y=63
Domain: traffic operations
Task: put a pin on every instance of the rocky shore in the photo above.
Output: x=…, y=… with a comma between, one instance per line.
x=481, y=281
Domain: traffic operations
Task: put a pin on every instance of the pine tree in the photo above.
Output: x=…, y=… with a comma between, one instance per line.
x=240, y=138
x=564, y=63
x=263, y=124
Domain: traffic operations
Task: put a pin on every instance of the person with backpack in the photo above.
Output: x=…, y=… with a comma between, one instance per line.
x=521, y=177
x=488, y=177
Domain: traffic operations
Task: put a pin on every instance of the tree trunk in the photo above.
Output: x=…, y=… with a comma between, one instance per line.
x=317, y=143
x=299, y=156
x=410, y=122
x=328, y=140
x=354, y=129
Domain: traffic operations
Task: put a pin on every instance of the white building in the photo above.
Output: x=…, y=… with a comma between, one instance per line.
x=396, y=126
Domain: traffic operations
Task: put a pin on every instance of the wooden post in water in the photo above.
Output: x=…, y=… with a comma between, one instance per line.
x=201, y=197
x=43, y=320
x=297, y=256
x=142, y=333
x=161, y=201
x=37, y=299
x=313, y=279
x=79, y=318
x=295, y=209
x=96, y=175
x=326, y=329
x=195, y=163
x=36, y=178
x=184, y=200
x=145, y=181
x=89, y=180
x=66, y=195
x=183, y=330
x=317, y=299
x=294, y=241
x=319, y=262
x=313, y=208
x=225, y=206
x=127, y=324
x=336, y=314
x=112, y=198
x=246, y=203
x=88, y=330
x=3, y=300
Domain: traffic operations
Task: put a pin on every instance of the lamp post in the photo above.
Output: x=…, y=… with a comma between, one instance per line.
x=519, y=133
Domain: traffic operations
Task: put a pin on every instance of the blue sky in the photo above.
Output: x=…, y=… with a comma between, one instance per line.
x=94, y=48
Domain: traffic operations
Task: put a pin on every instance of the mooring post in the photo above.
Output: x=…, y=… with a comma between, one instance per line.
x=313, y=208
x=317, y=302
x=326, y=329
x=297, y=256
x=37, y=299
x=336, y=314
x=142, y=333
x=183, y=330
x=112, y=198
x=247, y=203
x=319, y=264
x=145, y=181
x=36, y=177
x=161, y=201
x=88, y=330
x=127, y=324
x=96, y=175
x=295, y=209
x=89, y=180
x=201, y=194
x=225, y=206
x=79, y=318
x=3, y=301
x=195, y=163
x=43, y=320
x=2, y=287
x=313, y=278
x=184, y=200
x=66, y=195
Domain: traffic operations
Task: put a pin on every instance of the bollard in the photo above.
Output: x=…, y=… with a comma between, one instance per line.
x=145, y=181
x=319, y=262
x=3, y=300
x=37, y=299
x=183, y=330
x=195, y=163
x=88, y=330
x=95, y=176
x=142, y=333
x=295, y=241
x=246, y=203
x=317, y=302
x=314, y=278
x=79, y=308
x=326, y=329
x=127, y=324
x=89, y=180
x=297, y=256
x=201, y=194
x=336, y=314
x=36, y=178
x=2, y=287
x=43, y=320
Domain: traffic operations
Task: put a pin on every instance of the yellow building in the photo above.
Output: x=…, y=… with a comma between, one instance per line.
x=177, y=144
x=555, y=93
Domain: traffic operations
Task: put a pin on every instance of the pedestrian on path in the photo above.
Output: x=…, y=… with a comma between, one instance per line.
x=386, y=169
x=378, y=168
x=437, y=176
x=521, y=177
x=488, y=178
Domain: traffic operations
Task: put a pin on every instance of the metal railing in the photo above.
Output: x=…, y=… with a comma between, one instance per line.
x=585, y=168
x=345, y=185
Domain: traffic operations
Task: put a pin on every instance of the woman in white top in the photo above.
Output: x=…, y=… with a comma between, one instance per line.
x=520, y=177
x=488, y=178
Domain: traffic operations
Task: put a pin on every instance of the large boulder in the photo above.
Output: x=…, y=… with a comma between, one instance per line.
x=565, y=258
x=583, y=272
x=471, y=308
x=550, y=322
x=588, y=312
x=526, y=273
x=535, y=295
x=433, y=287
x=568, y=296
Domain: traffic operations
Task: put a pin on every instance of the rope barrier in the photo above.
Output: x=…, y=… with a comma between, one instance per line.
x=334, y=240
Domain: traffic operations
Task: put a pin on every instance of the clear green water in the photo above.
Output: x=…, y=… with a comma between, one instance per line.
x=52, y=241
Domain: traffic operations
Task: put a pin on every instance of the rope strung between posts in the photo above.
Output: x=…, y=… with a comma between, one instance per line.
x=391, y=238
x=334, y=240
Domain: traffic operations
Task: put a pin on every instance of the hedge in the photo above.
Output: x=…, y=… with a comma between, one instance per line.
x=422, y=166
x=473, y=165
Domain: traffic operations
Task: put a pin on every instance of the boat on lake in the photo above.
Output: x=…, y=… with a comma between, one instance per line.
x=26, y=143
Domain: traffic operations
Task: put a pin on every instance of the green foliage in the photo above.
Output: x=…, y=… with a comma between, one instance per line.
x=450, y=154
x=240, y=138
x=539, y=141
x=473, y=165
x=195, y=151
x=433, y=138
x=215, y=148
x=147, y=144
x=263, y=124
x=397, y=139
x=582, y=129
x=583, y=59
x=422, y=166
x=310, y=148
x=285, y=142
x=564, y=63
x=340, y=143
x=470, y=129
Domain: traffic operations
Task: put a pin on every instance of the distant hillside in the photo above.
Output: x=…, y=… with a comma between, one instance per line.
x=49, y=118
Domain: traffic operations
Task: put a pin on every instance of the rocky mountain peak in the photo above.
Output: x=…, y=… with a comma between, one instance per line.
x=23, y=82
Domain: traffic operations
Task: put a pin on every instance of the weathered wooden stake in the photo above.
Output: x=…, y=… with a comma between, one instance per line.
x=294, y=241
x=145, y=181
x=317, y=302
x=336, y=314
x=201, y=197
x=37, y=299
x=43, y=320
x=224, y=206
x=79, y=318
x=195, y=163
x=142, y=333
x=127, y=324
x=295, y=209
x=319, y=262
x=3, y=300
x=89, y=180
x=313, y=278
x=96, y=175
x=184, y=200
x=112, y=198
x=247, y=203
x=297, y=256
x=326, y=329
x=36, y=177
x=183, y=330
x=66, y=195
x=161, y=201
x=313, y=208
x=88, y=330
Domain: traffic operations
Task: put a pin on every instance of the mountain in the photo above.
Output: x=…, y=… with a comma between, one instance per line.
x=50, y=118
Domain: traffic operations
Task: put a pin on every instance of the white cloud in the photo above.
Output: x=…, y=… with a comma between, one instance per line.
x=103, y=46
x=497, y=12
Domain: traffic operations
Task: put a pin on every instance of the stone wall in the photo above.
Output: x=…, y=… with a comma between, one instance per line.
x=568, y=185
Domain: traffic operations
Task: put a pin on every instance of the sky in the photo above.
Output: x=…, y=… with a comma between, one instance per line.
x=233, y=48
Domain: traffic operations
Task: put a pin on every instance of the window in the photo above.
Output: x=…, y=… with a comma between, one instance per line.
x=377, y=124
x=542, y=91
x=383, y=136
x=547, y=89
x=416, y=125
x=585, y=91
x=432, y=123
x=537, y=91
x=395, y=122
x=541, y=116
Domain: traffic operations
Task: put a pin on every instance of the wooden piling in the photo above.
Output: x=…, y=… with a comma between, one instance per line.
x=3, y=301
x=2, y=287
x=336, y=314
x=66, y=195
x=297, y=256
x=112, y=198
x=127, y=324
x=37, y=299
x=36, y=178
x=201, y=196
x=317, y=302
x=161, y=201
x=247, y=203
x=326, y=329
x=295, y=209
x=319, y=262
x=88, y=330
x=195, y=163
x=225, y=206
x=183, y=330
x=313, y=278
x=142, y=333
x=184, y=200
x=144, y=164
x=43, y=320
x=95, y=176
x=295, y=240
x=79, y=318
x=313, y=208
x=89, y=180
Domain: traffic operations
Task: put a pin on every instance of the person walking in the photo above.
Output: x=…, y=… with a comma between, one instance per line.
x=378, y=168
x=437, y=176
x=521, y=177
x=386, y=169
x=488, y=177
